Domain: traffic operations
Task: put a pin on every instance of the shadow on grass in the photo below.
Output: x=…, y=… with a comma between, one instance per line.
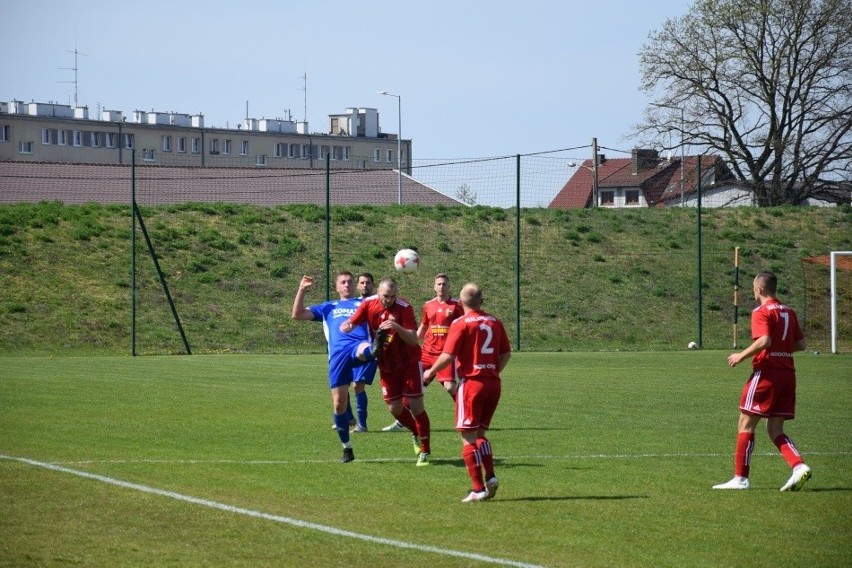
x=497, y=464
x=499, y=499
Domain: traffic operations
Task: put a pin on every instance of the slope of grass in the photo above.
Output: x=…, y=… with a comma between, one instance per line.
x=588, y=280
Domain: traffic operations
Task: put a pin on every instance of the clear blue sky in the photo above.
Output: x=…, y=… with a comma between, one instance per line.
x=477, y=77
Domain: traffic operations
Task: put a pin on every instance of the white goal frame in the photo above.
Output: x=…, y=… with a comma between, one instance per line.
x=834, y=255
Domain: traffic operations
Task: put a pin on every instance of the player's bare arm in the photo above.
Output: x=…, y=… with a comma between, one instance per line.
x=756, y=347
x=300, y=312
x=407, y=335
x=504, y=360
x=442, y=361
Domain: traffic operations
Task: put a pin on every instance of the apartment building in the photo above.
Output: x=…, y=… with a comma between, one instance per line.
x=52, y=132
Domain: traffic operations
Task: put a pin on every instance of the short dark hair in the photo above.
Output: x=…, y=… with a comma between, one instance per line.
x=366, y=275
x=768, y=281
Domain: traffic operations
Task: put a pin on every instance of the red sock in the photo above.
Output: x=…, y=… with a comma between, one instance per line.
x=788, y=450
x=483, y=446
x=423, y=428
x=742, y=455
x=471, y=462
x=406, y=419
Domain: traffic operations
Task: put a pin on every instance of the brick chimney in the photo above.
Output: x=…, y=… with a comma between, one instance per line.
x=643, y=160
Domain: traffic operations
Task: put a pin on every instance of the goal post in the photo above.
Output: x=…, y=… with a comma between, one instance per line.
x=835, y=255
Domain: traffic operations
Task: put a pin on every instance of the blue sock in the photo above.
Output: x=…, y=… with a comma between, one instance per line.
x=342, y=423
x=361, y=408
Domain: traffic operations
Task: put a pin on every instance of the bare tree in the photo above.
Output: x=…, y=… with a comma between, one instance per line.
x=767, y=84
x=465, y=195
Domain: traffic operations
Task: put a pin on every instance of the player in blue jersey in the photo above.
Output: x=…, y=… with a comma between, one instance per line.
x=348, y=354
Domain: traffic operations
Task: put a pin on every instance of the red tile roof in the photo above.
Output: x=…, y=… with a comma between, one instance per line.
x=82, y=183
x=658, y=182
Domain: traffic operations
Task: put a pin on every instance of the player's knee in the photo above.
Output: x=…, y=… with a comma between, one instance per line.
x=365, y=351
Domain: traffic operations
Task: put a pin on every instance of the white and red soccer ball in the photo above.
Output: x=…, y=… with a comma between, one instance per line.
x=406, y=261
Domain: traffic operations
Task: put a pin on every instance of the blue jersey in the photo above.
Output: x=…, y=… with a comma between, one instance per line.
x=343, y=363
x=334, y=313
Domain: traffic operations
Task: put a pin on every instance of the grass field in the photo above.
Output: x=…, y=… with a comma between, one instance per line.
x=604, y=460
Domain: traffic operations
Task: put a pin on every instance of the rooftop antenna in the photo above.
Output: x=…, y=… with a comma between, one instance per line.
x=305, y=89
x=74, y=69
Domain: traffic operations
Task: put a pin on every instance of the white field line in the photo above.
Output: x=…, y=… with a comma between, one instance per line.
x=509, y=459
x=266, y=516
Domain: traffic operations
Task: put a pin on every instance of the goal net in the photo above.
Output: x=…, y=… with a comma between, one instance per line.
x=828, y=309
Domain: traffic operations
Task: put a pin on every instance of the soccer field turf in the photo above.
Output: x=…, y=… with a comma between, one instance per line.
x=604, y=459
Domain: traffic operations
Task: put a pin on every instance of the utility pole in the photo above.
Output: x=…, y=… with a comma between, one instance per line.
x=594, y=172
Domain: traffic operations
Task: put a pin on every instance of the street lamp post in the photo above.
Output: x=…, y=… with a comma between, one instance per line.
x=398, y=144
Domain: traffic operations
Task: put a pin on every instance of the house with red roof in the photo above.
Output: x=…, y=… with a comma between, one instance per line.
x=642, y=180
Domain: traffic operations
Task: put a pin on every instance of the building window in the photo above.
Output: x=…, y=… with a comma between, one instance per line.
x=226, y=148
x=389, y=156
x=195, y=144
x=96, y=139
x=148, y=155
x=347, y=152
x=377, y=155
x=25, y=147
x=45, y=136
x=277, y=150
x=244, y=148
x=607, y=198
x=109, y=139
x=4, y=133
x=128, y=141
x=167, y=143
x=292, y=150
x=631, y=197
x=214, y=146
x=260, y=160
x=78, y=138
x=63, y=137
x=181, y=144
x=306, y=151
x=341, y=152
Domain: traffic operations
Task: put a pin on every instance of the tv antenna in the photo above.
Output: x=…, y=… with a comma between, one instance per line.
x=74, y=69
x=305, y=89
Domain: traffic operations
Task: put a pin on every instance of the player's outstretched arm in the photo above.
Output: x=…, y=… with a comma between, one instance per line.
x=300, y=312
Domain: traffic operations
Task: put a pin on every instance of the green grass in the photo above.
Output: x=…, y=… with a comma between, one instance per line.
x=590, y=280
x=605, y=459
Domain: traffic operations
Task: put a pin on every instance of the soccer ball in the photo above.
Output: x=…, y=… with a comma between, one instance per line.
x=692, y=345
x=406, y=261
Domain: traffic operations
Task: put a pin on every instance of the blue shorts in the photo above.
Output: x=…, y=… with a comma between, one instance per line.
x=365, y=373
x=344, y=367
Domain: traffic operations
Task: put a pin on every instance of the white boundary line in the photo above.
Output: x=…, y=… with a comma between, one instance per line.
x=406, y=460
x=269, y=517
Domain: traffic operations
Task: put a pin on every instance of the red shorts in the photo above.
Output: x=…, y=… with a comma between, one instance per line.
x=476, y=401
x=446, y=374
x=770, y=392
x=408, y=384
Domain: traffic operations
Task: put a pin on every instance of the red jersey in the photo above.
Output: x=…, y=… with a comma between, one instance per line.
x=781, y=324
x=397, y=357
x=437, y=317
x=477, y=339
